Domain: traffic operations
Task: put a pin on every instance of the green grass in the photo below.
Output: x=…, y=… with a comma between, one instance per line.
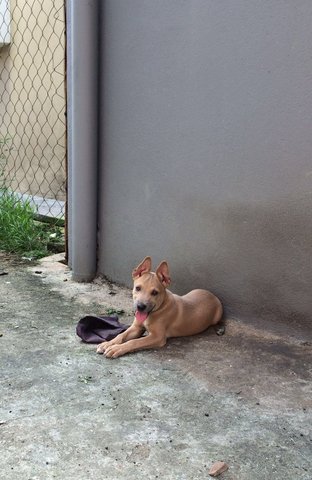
x=19, y=231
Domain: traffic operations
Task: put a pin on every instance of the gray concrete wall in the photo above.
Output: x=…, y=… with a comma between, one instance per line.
x=206, y=148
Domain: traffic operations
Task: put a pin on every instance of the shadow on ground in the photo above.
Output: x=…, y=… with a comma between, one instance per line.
x=68, y=413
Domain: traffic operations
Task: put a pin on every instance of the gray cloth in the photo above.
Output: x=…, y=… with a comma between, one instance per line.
x=93, y=329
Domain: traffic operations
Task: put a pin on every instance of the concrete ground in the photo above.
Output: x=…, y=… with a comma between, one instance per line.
x=68, y=413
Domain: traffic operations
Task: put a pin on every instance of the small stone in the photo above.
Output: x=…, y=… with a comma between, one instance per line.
x=220, y=330
x=218, y=468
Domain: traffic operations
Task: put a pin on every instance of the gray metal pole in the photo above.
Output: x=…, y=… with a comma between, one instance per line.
x=82, y=86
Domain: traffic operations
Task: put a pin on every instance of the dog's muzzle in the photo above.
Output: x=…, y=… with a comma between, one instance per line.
x=142, y=311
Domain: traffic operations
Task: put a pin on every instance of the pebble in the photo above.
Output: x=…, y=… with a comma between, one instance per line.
x=217, y=468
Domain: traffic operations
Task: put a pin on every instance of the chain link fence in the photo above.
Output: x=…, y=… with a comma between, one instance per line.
x=33, y=102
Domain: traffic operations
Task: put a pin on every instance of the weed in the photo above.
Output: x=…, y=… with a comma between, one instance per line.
x=112, y=311
x=19, y=231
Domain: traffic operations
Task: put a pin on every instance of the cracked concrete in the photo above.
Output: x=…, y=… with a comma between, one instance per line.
x=68, y=413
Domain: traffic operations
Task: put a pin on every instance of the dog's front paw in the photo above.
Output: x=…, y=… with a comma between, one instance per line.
x=114, y=351
x=101, y=348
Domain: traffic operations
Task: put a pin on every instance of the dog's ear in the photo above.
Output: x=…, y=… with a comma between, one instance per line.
x=162, y=273
x=143, y=267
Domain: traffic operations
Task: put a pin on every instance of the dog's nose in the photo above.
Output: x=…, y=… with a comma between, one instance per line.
x=141, y=307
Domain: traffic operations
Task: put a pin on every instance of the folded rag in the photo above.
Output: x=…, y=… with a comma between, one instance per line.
x=93, y=329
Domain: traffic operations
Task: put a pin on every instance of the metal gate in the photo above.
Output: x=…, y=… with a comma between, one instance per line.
x=33, y=102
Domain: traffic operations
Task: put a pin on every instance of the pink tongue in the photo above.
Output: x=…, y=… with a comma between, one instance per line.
x=141, y=316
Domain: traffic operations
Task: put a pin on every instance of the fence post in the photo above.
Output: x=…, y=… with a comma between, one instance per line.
x=82, y=87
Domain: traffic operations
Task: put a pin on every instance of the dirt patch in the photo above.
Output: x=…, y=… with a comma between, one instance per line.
x=100, y=295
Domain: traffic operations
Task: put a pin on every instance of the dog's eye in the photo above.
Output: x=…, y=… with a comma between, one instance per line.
x=138, y=288
x=154, y=293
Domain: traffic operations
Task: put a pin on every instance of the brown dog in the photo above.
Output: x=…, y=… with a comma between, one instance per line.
x=162, y=313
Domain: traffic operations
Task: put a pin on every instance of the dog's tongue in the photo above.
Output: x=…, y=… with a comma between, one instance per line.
x=141, y=316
